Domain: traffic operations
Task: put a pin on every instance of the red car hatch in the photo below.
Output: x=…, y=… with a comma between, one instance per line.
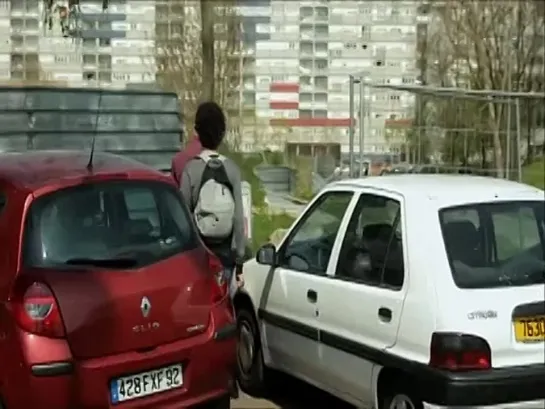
x=123, y=264
x=110, y=311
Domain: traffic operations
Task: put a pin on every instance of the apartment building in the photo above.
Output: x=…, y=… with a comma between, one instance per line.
x=79, y=45
x=299, y=55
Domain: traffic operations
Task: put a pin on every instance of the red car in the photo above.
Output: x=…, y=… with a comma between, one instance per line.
x=108, y=299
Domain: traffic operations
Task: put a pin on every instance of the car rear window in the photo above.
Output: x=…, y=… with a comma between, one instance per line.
x=495, y=244
x=133, y=222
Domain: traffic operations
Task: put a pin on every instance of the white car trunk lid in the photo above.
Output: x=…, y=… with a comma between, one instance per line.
x=510, y=319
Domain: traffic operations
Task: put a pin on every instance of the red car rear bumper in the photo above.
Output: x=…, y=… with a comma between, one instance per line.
x=208, y=363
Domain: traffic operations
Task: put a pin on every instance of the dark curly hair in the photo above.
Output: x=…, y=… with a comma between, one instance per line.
x=210, y=125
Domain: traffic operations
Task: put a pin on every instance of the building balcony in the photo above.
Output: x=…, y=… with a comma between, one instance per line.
x=307, y=36
x=322, y=105
x=280, y=54
x=349, y=19
x=314, y=19
x=306, y=87
x=25, y=31
x=19, y=11
x=249, y=69
x=394, y=20
x=248, y=86
x=313, y=3
x=344, y=36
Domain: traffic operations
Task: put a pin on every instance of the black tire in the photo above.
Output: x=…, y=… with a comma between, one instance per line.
x=400, y=393
x=251, y=371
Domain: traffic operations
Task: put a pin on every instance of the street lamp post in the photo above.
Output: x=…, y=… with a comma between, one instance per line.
x=363, y=112
x=357, y=79
x=351, y=131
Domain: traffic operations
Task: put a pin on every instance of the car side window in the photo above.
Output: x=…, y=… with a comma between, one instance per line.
x=372, y=249
x=308, y=247
x=141, y=206
x=515, y=231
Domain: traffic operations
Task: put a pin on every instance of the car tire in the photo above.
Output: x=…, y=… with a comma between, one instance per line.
x=395, y=400
x=251, y=370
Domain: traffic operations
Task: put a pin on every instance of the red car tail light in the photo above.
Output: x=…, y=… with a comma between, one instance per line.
x=219, y=284
x=459, y=352
x=36, y=311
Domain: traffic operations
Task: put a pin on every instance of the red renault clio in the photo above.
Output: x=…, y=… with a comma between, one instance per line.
x=108, y=298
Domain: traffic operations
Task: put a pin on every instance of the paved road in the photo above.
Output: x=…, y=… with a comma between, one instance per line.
x=289, y=393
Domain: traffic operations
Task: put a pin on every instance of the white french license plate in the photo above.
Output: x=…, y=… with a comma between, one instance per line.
x=146, y=383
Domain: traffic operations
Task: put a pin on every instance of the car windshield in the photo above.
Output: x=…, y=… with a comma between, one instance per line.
x=495, y=244
x=107, y=224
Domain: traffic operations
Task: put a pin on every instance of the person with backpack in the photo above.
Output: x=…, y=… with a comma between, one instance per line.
x=211, y=187
x=192, y=149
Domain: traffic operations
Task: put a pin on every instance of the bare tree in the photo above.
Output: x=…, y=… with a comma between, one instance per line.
x=486, y=44
x=182, y=67
x=207, y=48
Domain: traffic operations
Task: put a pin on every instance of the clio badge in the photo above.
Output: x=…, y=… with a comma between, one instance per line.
x=145, y=307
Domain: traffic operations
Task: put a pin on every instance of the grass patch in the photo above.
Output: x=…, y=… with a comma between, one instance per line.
x=534, y=174
x=247, y=164
x=264, y=224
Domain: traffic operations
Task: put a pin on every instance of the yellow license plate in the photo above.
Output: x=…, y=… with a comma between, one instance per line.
x=530, y=329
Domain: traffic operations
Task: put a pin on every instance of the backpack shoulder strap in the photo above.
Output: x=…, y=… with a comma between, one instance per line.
x=216, y=171
x=206, y=155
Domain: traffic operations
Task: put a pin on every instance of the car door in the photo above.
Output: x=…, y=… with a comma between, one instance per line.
x=360, y=310
x=291, y=303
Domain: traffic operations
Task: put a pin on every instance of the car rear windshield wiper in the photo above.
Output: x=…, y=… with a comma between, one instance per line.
x=103, y=262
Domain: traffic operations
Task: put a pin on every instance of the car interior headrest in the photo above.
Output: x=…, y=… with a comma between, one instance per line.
x=376, y=231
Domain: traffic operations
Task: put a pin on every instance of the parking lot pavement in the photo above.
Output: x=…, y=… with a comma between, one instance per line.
x=289, y=393
x=247, y=402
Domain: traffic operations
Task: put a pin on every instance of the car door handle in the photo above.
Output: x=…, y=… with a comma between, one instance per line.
x=312, y=296
x=385, y=314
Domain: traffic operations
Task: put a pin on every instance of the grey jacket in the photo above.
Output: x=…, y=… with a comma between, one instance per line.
x=189, y=187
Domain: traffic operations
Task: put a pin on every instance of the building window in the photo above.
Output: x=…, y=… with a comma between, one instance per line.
x=120, y=76
x=363, y=9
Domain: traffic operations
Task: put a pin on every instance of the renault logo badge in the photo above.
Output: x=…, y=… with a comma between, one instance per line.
x=145, y=307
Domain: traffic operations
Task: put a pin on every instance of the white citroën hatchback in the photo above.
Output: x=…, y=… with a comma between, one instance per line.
x=404, y=291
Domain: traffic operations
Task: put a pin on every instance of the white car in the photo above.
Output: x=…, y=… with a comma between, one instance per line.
x=406, y=291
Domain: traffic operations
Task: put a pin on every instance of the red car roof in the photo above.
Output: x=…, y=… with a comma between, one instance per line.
x=34, y=170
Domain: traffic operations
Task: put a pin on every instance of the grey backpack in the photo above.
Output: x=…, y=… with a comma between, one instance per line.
x=215, y=207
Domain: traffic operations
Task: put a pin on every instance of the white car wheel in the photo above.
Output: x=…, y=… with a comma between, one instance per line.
x=401, y=401
x=250, y=367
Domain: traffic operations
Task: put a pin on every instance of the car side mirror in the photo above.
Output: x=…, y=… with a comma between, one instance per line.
x=266, y=254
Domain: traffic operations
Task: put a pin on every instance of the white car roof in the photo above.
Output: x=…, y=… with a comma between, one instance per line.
x=445, y=188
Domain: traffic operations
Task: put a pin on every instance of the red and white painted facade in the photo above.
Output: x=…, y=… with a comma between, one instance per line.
x=284, y=98
x=306, y=50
